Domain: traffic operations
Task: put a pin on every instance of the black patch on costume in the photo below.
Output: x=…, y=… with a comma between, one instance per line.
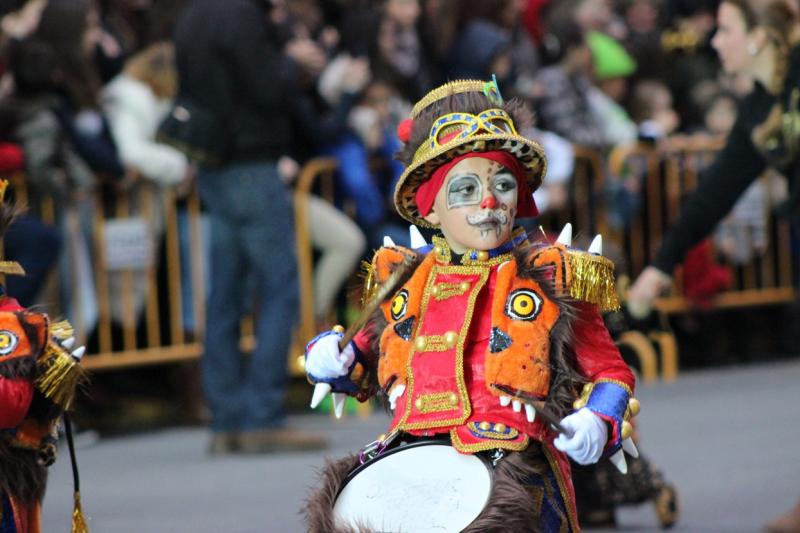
x=499, y=340
x=405, y=328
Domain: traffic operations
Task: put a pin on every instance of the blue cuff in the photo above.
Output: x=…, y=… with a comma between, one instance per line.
x=610, y=401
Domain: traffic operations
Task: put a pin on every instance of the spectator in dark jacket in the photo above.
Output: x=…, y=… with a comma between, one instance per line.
x=229, y=64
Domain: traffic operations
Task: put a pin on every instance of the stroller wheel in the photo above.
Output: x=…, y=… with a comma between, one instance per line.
x=667, y=507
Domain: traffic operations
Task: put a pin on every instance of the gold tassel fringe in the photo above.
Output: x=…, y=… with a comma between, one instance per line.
x=78, y=520
x=11, y=267
x=58, y=375
x=370, y=285
x=593, y=280
x=62, y=330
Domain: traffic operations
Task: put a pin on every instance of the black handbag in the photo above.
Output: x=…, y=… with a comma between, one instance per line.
x=198, y=132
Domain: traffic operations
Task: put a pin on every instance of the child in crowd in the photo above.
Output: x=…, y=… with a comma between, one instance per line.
x=652, y=110
x=612, y=67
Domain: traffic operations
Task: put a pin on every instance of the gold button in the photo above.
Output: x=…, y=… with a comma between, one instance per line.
x=634, y=406
x=465, y=285
x=338, y=329
x=418, y=403
x=627, y=430
x=577, y=404
x=483, y=255
x=485, y=426
x=451, y=338
x=420, y=343
x=453, y=398
x=435, y=290
x=500, y=428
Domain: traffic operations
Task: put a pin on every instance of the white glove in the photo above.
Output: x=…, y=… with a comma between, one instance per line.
x=325, y=362
x=589, y=438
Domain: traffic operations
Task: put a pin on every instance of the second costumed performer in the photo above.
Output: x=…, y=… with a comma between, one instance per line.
x=485, y=344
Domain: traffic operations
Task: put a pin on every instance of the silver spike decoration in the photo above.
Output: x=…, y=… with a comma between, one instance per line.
x=597, y=245
x=417, y=240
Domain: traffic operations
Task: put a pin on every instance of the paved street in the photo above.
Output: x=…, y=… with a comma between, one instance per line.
x=728, y=438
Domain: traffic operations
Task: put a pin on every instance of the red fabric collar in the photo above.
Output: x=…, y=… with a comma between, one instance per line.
x=426, y=193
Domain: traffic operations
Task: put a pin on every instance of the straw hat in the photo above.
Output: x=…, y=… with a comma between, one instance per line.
x=457, y=133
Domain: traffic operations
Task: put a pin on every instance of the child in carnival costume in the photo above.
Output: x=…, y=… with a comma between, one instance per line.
x=482, y=333
x=39, y=375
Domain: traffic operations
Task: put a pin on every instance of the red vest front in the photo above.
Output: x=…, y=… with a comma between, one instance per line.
x=461, y=336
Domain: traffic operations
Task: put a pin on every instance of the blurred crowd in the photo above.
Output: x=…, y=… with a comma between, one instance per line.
x=86, y=83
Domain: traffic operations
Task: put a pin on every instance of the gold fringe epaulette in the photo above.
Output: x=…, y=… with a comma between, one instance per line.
x=592, y=279
x=369, y=284
x=58, y=374
x=11, y=267
x=62, y=330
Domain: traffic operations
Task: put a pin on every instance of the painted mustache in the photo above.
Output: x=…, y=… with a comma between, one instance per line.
x=490, y=216
x=488, y=222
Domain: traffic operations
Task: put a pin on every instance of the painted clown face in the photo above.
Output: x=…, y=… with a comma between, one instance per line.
x=476, y=205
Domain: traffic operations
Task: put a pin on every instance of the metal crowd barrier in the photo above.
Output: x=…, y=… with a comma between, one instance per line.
x=670, y=173
x=128, y=330
x=158, y=334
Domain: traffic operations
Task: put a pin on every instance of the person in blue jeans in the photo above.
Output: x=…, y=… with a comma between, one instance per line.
x=252, y=233
x=231, y=66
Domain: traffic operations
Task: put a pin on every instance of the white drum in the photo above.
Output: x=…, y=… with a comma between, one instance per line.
x=421, y=487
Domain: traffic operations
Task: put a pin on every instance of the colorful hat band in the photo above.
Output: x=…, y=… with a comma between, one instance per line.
x=460, y=126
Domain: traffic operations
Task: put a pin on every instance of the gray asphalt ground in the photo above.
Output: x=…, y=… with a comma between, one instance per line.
x=728, y=438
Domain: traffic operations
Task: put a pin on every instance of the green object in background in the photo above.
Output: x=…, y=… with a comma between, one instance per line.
x=610, y=58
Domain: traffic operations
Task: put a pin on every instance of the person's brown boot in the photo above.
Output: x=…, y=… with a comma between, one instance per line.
x=788, y=523
x=280, y=439
x=223, y=443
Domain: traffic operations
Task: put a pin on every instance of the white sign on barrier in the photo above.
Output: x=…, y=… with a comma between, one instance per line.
x=128, y=244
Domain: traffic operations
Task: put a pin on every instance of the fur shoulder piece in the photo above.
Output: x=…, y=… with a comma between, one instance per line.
x=383, y=264
x=578, y=274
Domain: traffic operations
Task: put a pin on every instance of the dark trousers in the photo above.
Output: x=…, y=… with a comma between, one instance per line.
x=252, y=238
x=36, y=247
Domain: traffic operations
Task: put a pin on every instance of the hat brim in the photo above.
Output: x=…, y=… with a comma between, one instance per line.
x=529, y=152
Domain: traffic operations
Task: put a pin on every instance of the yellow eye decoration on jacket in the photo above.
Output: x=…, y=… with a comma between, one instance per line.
x=519, y=345
x=399, y=304
x=8, y=341
x=523, y=304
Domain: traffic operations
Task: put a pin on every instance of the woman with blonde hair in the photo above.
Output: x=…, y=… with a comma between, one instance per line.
x=136, y=101
x=758, y=39
x=763, y=44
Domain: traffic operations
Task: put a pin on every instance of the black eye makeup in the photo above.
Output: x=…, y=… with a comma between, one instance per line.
x=504, y=182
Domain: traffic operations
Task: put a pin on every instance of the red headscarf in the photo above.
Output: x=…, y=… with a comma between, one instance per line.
x=426, y=193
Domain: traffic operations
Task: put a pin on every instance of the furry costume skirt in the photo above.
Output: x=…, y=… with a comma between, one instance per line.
x=525, y=497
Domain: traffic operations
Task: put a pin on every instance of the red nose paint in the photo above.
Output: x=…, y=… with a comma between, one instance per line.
x=489, y=203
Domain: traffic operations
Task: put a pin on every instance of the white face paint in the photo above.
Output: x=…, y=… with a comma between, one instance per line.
x=476, y=205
